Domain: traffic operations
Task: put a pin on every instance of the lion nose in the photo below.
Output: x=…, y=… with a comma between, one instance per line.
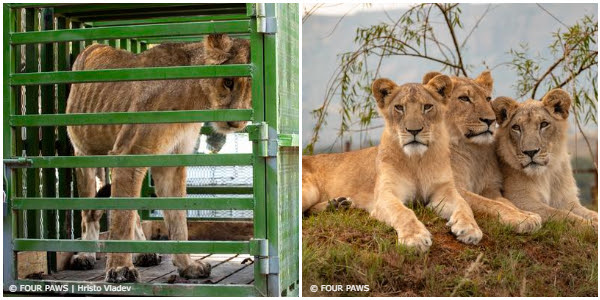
x=487, y=121
x=236, y=125
x=531, y=153
x=414, y=131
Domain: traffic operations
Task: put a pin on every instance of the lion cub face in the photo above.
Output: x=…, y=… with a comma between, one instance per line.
x=470, y=116
x=532, y=132
x=230, y=92
x=413, y=112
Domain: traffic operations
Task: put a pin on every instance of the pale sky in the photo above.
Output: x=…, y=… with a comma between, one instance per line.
x=340, y=9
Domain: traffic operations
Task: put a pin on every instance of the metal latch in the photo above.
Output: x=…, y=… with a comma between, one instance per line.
x=266, y=21
x=261, y=254
x=259, y=134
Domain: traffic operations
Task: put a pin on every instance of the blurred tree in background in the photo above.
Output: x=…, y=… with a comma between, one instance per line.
x=431, y=32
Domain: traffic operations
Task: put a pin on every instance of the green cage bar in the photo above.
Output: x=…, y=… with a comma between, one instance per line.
x=52, y=37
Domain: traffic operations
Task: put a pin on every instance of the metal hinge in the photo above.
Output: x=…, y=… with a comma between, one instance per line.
x=266, y=21
x=265, y=146
x=261, y=256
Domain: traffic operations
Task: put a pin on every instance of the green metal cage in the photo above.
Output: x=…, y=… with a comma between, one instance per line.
x=40, y=43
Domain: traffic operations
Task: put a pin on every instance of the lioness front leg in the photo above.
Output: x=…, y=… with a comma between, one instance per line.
x=171, y=182
x=126, y=182
x=447, y=203
x=143, y=259
x=521, y=221
x=390, y=209
x=90, y=219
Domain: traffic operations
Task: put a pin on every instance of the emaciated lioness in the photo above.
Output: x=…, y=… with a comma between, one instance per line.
x=156, y=95
x=532, y=145
x=412, y=163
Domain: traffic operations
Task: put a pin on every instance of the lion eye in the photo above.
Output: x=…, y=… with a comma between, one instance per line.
x=516, y=127
x=544, y=124
x=228, y=83
x=427, y=107
x=464, y=98
x=488, y=99
x=399, y=108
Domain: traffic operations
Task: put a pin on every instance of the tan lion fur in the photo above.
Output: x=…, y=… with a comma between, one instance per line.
x=532, y=145
x=471, y=123
x=383, y=179
x=155, y=95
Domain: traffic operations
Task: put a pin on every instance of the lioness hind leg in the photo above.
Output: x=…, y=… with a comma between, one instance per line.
x=90, y=219
x=339, y=203
x=170, y=182
x=143, y=259
x=447, y=203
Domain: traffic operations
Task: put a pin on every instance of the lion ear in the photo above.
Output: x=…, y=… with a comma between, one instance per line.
x=504, y=108
x=217, y=48
x=485, y=80
x=381, y=88
x=429, y=76
x=442, y=85
x=557, y=102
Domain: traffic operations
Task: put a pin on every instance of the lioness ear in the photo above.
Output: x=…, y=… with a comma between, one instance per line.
x=216, y=48
x=442, y=85
x=557, y=102
x=504, y=108
x=485, y=80
x=381, y=88
x=430, y=75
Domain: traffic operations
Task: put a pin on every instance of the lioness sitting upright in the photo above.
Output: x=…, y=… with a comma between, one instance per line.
x=178, y=138
x=470, y=120
x=532, y=146
x=412, y=163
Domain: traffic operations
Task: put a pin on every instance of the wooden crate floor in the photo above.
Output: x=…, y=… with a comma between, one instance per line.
x=226, y=269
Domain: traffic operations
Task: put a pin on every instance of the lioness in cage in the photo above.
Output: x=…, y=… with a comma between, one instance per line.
x=178, y=138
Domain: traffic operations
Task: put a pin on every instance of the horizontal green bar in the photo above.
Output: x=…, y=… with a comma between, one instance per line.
x=133, y=203
x=220, y=247
x=138, y=31
x=140, y=289
x=179, y=19
x=131, y=74
x=128, y=161
x=183, y=116
x=237, y=190
x=289, y=140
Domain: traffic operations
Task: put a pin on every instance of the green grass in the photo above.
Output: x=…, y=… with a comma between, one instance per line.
x=350, y=248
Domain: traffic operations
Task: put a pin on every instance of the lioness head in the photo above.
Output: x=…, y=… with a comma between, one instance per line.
x=532, y=132
x=413, y=112
x=229, y=92
x=470, y=117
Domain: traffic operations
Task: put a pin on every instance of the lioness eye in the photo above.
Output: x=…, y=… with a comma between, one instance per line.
x=427, y=107
x=228, y=83
x=399, y=108
x=488, y=98
x=516, y=127
x=544, y=124
x=464, y=98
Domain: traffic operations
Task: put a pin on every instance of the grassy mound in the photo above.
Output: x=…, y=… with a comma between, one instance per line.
x=350, y=248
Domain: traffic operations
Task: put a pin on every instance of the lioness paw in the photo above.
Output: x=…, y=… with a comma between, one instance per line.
x=466, y=231
x=416, y=237
x=146, y=259
x=531, y=222
x=339, y=203
x=122, y=274
x=83, y=261
x=197, y=269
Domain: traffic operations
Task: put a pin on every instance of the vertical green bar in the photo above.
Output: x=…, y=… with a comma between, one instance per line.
x=259, y=169
x=32, y=107
x=10, y=20
x=48, y=136
x=125, y=44
x=143, y=47
x=135, y=46
x=76, y=215
x=64, y=174
x=17, y=139
x=112, y=43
